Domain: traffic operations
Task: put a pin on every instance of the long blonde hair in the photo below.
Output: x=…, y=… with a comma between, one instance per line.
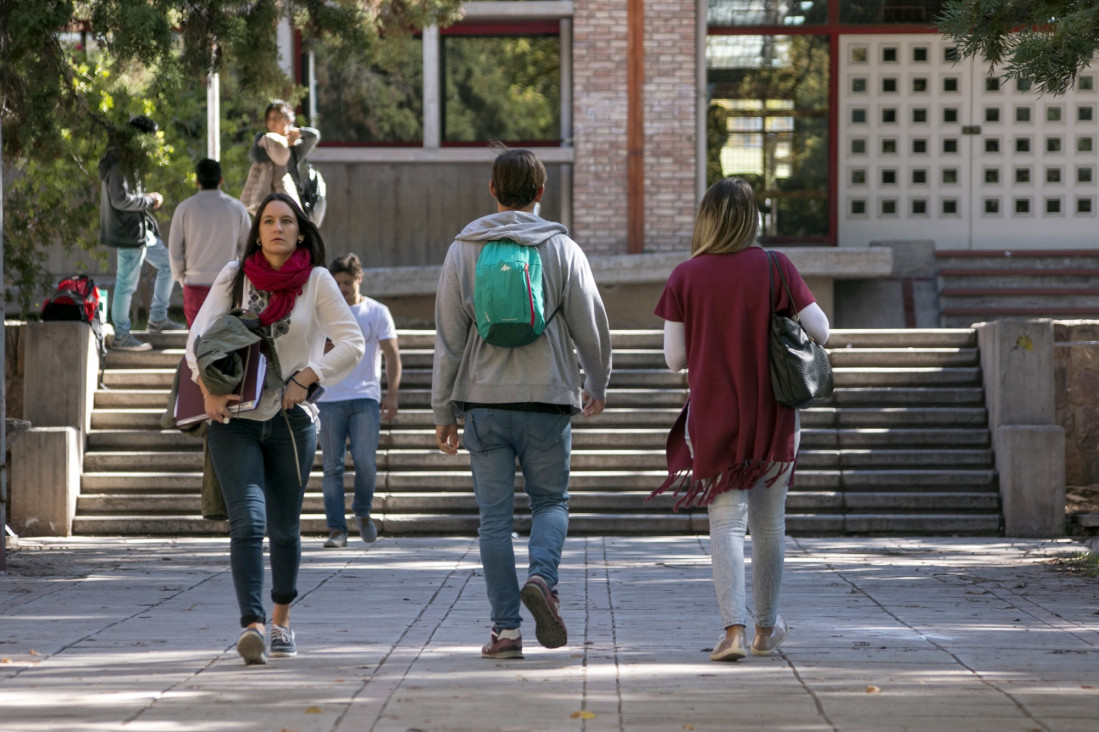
x=728, y=218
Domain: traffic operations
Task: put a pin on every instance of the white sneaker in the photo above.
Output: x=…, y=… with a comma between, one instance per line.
x=765, y=646
x=730, y=649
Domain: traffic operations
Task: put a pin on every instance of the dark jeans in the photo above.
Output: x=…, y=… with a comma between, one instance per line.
x=258, y=465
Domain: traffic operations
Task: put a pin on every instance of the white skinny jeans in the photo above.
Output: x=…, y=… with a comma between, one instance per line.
x=762, y=510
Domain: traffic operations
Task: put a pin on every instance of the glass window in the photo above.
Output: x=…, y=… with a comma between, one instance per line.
x=919, y=177
x=888, y=85
x=919, y=84
x=919, y=146
x=772, y=92
x=992, y=114
x=889, y=147
x=992, y=84
x=992, y=145
x=858, y=207
x=858, y=85
x=1083, y=205
x=950, y=84
x=1022, y=114
x=1053, y=175
x=919, y=207
x=888, y=177
x=367, y=102
x=889, y=54
x=1022, y=85
x=950, y=207
x=1085, y=114
x=1085, y=144
x=858, y=116
x=858, y=54
x=858, y=146
x=1053, y=205
x=919, y=115
x=1022, y=206
x=919, y=54
x=1053, y=144
x=1085, y=174
x=728, y=13
x=950, y=146
x=1053, y=114
x=1022, y=175
x=858, y=176
x=889, y=207
x=950, y=115
x=888, y=116
x=1085, y=83
x=992, y=175
x=876, y=12
x=1022, y=144
x=501, y=88
x=992, y=206
x=950, y=176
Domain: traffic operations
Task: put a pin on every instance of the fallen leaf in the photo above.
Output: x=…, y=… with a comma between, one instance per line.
x=313, y=710
x=583, y=714
x=689, y=727
x=1082, y=687
x=871, y=689
x=34, y=653
x=5, y=660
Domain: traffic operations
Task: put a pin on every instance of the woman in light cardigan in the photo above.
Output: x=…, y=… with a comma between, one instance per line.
x=733, y=447
x=262, y=457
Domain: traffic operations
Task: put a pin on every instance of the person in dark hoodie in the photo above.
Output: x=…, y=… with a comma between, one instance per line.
x=125, y=223
x=518, y=402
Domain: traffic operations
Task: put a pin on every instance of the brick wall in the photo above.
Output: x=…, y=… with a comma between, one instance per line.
x=599, y=124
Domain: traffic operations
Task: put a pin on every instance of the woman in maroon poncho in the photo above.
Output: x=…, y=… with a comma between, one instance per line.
x=733, y=447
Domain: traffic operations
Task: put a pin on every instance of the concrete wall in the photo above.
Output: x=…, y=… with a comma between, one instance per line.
x=1017, y=363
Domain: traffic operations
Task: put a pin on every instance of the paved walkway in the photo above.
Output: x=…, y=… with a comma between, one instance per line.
x=887, y=634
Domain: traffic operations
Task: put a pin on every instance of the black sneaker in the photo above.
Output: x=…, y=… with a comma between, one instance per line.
x=282, y=642
x=543, y=604
x=159, y=326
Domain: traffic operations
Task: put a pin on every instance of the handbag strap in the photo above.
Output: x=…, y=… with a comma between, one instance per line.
x=772, y=262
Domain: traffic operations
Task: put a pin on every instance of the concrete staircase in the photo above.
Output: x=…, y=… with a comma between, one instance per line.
x=977, y=286
x=903, y=448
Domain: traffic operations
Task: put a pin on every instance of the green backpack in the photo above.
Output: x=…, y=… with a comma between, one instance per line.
x=507, y=294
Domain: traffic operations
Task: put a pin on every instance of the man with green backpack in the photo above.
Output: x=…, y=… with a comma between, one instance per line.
x=517, y=314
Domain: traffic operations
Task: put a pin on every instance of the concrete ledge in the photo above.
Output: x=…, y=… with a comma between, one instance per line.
x=45, y=481
x=1031, y=463
x=619, y=269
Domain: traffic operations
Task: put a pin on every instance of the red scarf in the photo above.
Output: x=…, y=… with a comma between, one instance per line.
x=283, y=285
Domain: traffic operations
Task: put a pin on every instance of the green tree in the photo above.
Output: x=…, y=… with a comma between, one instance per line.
x=72, y=72
x=1045, y=42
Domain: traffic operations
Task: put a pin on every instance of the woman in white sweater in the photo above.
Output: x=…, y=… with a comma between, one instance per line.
x=262, y=457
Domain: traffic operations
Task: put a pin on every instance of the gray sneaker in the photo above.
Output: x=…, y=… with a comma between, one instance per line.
x=250, y=647
x=282, y=642
x=158, y=326
x=127, y=342
x=336, y=540
x=367, y=530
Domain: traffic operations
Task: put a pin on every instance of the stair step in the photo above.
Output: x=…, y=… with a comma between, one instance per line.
x=1044, y=303
x=842, y=357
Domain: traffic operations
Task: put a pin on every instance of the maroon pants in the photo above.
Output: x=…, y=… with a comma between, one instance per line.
x=193, y=297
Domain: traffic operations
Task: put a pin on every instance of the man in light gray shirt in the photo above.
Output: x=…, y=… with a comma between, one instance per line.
x=209, y=229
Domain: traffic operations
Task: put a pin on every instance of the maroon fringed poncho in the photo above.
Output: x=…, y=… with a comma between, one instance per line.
x=737, y=429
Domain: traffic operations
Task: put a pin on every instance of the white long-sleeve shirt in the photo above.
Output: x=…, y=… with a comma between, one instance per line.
x=319, y=312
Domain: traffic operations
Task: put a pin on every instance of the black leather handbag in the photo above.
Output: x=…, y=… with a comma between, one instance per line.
x=801, y=374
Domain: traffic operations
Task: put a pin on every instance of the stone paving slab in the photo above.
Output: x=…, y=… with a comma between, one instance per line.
x=887, y=634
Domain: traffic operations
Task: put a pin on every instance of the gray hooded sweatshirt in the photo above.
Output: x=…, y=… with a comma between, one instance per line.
x=546, y=371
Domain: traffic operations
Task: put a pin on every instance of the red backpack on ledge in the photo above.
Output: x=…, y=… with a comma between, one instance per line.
x=75, y=299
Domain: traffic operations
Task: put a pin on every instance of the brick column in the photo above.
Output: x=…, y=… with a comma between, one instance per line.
x=599, y=124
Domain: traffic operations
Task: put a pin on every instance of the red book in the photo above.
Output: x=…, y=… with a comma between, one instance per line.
x=189, y=403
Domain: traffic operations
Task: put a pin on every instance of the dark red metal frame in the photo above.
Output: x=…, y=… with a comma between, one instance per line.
x=833, y=29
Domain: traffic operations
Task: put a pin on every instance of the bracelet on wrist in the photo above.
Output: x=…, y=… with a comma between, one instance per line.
x=299, y=383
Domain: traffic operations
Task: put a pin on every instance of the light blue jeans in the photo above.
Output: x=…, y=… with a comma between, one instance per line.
x=126, y=278
x=359, y=419
x=542, y=443
x=763, y=511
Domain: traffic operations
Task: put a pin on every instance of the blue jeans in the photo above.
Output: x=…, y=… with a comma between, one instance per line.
x=359, y=419
x=263, y=468
x=126, y=278
x=542, y=443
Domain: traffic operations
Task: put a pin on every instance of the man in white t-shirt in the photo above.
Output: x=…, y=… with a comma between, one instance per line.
x=355, y=407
